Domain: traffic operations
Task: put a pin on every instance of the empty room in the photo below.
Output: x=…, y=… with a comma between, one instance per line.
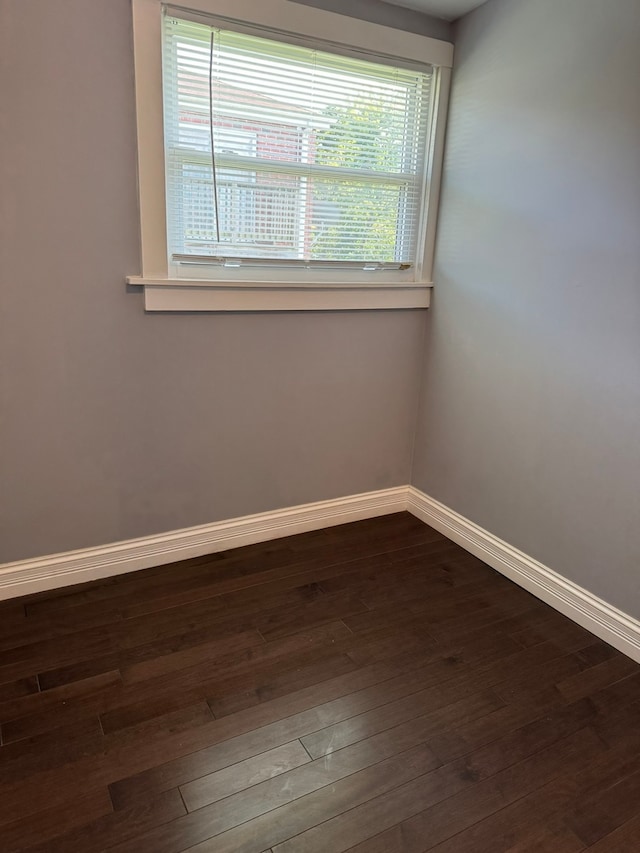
x=320, y=426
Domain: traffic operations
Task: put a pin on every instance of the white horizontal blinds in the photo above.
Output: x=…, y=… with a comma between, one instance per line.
x=318, y=156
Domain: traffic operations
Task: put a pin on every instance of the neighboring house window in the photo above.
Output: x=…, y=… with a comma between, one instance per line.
x=289, y=163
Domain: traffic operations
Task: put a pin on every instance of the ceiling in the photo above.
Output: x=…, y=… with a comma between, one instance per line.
x=448, y=9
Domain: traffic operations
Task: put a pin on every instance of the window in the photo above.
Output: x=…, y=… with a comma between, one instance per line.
x=276, y=151
x=296, y=172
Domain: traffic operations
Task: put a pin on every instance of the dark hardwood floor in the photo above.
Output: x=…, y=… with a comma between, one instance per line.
x=369, y=688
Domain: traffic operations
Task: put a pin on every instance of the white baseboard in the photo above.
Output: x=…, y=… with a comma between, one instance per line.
x=57, y=570
x=594, y=614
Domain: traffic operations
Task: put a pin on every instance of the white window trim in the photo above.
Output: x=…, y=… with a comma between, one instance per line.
x=363, y=291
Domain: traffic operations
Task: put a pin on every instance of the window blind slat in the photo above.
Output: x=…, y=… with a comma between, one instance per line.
x=318, y=157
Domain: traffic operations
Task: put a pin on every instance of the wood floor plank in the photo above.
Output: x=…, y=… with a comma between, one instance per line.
x=622, y=840
x=71, y=758
x=408, y=562
x=18, y=688
x=117, y=827
x=203, y=652
x=87, y=730
x=268, y=686
x=229, y=592
x=445, y=684
x=287, y=808
x=520, y=821
x=586, y=682
x=523, y=689
x=341, y=763
x=56, y=626
x=122, y=705
x=604, y=812
x=124, y=754
x=37, y=705
x=27, y=659
x=507, y=721
x=450, y=823
x=245, y=774
x=555, y=837
x=363, y=819
x=50, y=824
x=370, y=687
x=290, y=573
x=374, y=756
x=443, y=705
x=564, y=633
x=236, y=748
x=126, y=654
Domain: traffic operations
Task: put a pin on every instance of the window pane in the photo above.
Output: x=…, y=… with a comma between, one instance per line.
x=353, y=220
x=317, y=156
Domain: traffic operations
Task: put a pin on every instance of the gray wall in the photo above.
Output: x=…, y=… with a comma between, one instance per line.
x=114, y=424
x=530, y=412
x=379, y=12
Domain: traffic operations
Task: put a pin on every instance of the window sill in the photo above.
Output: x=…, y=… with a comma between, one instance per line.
x=179, y=294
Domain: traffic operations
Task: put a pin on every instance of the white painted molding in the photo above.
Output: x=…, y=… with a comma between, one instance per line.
x=580, y=605
x=57, y=570
x=73, y=567
x=205, y=296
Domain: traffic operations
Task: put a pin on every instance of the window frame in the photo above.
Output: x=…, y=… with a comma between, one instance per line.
x=264, y=288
